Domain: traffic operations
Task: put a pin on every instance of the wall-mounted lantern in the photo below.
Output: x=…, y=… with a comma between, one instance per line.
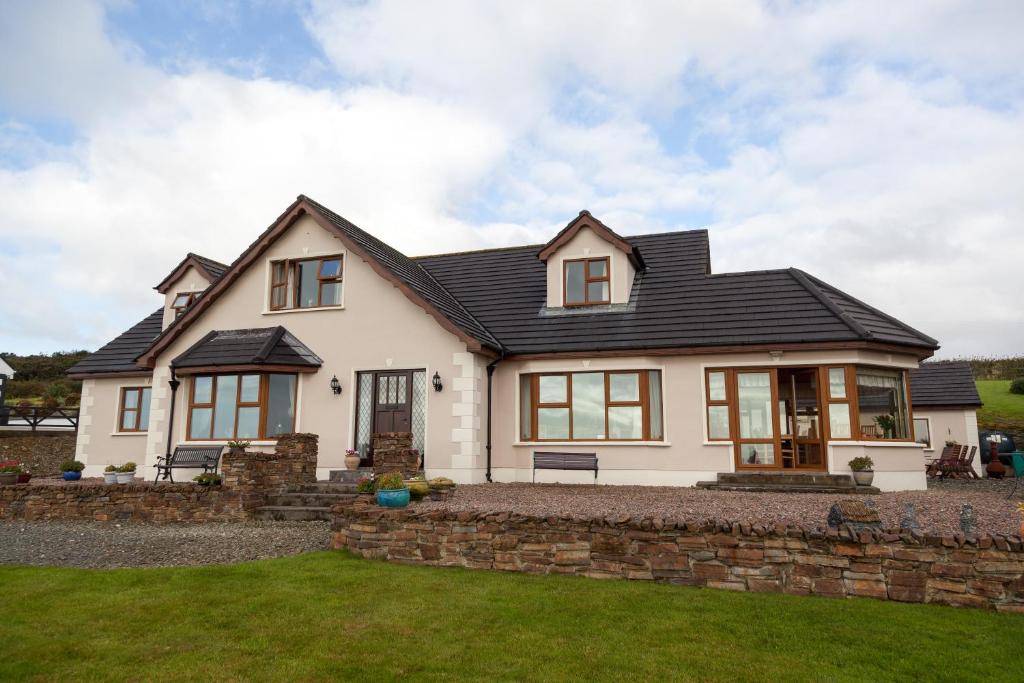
x=438, y=386
x=335, y=385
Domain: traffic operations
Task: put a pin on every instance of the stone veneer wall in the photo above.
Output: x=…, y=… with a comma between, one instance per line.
x=42, y=452
x=986, y=572
x=248, y=478
x=393, y=452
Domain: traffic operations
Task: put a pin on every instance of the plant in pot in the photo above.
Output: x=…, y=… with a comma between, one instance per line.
x=352, y=459
x=364, y=485
x=208, y=479
x=110, y=474
x=863, y=472
x=71, y=470
x=126, y=473
x=238, y=446
x=886, y=423
x=392, y=491
x=9, y=472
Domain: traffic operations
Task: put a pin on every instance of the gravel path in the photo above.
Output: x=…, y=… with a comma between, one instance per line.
x=938, y=509
x=103, y=544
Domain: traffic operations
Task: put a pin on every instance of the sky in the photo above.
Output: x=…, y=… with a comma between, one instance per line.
x=876, y=145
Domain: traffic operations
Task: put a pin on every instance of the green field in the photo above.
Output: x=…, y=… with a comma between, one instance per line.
x=1001, y=407
x=331, y=615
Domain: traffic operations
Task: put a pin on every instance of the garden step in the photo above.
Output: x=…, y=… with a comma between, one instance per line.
x=309, y=499
x=786, y=478
x=350, y=476
x=323, y=487
x=292, y=513
x=786, y=488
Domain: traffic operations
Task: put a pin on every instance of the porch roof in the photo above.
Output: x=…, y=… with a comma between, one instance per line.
x=266, y=348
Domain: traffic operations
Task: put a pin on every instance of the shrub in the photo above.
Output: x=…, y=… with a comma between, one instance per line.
x=1017, y=386
x=110, y=468
x=441, y=483
x=72, y=466
x=364, y=485
x=208, y=479
x=861, y=464
x=392, y=481
x=127, y=467
x=25, y=388
x=11, y=468
x=239, y=444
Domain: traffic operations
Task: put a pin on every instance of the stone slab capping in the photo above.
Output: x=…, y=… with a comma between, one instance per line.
x=905, y=565
x=393, y=452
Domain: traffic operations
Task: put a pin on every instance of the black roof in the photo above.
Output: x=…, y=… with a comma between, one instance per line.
x=676, y=303
x=119, y=355
x=260, y=346
x=943, y=383
x=214, y=268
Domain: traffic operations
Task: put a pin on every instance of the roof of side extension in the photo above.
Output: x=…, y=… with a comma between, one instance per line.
x=943, y=384
x=118, y=356
x=263, y=346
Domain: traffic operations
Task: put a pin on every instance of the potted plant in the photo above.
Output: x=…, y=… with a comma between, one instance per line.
x=110, y=474
x=72, y=470
x=863, y=473
x=238, y=447
x=392, y=491
x=887, y=423
x=352, y=459
x=126, y=473
x=208, y=479
x=364, y=485
x=9, y=473
x=24, y=476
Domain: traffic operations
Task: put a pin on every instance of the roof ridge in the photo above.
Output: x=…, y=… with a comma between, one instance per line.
x=272, y=339
x=874, y=310
x=805, y=281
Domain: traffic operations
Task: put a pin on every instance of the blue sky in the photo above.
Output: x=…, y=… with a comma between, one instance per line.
x=877, y=146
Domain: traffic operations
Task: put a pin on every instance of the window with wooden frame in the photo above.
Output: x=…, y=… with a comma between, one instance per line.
x=838, y=381
x=133, y=414
x=586, y=281
x=616, y=405
x=250, y=406
x=182, y=301
x=717, y=383
x=305, y=283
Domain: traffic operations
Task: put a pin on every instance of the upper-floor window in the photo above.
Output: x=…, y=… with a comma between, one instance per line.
x=256, y=406
x=587, y=281
x=305, y=283
x=133, y=415
x=183, y=300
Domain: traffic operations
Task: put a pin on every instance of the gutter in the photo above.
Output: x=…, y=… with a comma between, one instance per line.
x=174, y=383
x=490, y=385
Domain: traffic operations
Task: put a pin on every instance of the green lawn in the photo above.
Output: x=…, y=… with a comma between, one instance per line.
x=331, y=615
x=1001, y=407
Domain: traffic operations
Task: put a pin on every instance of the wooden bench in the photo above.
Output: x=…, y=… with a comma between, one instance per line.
x=548, y=460
x=188, y=457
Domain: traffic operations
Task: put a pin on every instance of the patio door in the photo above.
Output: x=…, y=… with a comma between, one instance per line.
x=390, y=401
x=778, y=419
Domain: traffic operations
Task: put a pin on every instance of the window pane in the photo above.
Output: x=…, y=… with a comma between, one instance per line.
x=131, y=399
x=882, y=404
x=755, y=405
x=200, y=425
x=419, y=412
x=654, y=389
x=330, y=268
x=525, y=407
x=716, y=386
x=718, y=422
x=144, y=410
x=625, y=422
x=250, y=388
x=203, y=389
x=280, y=404
x=588, y=405
x=837, y=382
x=180, y=301
x=598, y=268
x=574, y=283
x=248, y=423
x=839, y=420
x=552, y=389
x=128, y=420
x=224, y=415
x=365, y=413
x=757, y=454
x=330, y=294
x=624, y=388
x=279, y=272
x=597, y=291
x=306, y=276
x=278, y=299
x=921, y=432
x=553, y=423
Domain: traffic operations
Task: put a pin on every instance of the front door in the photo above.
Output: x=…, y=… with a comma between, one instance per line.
x=392, y=404
x=389, y=401
x=778, y=413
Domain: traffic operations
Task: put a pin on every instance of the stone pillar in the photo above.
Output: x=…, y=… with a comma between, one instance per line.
x=393, y=452
x=255, y=474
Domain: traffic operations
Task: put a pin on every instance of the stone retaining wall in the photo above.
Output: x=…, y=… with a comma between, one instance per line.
x=986, y=572
x=256, y=474
x=42, y=452
x=393, y=452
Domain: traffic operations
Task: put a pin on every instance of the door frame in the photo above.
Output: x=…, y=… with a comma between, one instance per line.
x=374, y=375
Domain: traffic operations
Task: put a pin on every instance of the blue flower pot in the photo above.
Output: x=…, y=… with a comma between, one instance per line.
x=393, y=499
x=72, y=476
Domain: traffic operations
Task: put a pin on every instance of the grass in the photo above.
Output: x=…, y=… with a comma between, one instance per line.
x=1001, y=407
x=331, y=615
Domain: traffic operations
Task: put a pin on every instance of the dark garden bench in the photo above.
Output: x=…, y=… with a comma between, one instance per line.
x=205, y=458
x=547, y=460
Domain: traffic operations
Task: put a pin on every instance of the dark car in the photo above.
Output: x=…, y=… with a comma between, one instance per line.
x=1006, y=446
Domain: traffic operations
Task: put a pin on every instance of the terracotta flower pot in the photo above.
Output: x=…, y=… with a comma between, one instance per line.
x=352, y=462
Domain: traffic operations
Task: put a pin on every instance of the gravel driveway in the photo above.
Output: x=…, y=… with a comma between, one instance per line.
x=938, y=509
x=103, y=544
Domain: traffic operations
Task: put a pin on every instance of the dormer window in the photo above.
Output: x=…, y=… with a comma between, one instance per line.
x=587, y=282
x=305, y=283
x=182, y=301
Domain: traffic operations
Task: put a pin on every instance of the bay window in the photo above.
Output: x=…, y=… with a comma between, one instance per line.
x=249, y=406
x=612, y=405
x=882, y=404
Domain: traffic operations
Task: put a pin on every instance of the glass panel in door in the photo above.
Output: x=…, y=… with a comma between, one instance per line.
x=755, y=410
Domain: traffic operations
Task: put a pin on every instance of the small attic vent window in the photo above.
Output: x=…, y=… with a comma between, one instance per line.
x=181, y=302
x=586, y=282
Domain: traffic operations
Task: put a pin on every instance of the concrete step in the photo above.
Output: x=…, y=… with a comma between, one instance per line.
x=292, y=513
x=350, y=476
x=785, y=478
x=787, y=488
x=323, y=487
x=315, y=499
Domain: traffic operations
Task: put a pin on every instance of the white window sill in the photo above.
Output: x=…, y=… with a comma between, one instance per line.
x=129, y=433
x=541, y=445
x=224, y=443
x=718, y=443
x=303, y=310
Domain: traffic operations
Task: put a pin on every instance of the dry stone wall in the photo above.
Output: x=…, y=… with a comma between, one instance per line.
x=393, y=452
x=970, y=571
